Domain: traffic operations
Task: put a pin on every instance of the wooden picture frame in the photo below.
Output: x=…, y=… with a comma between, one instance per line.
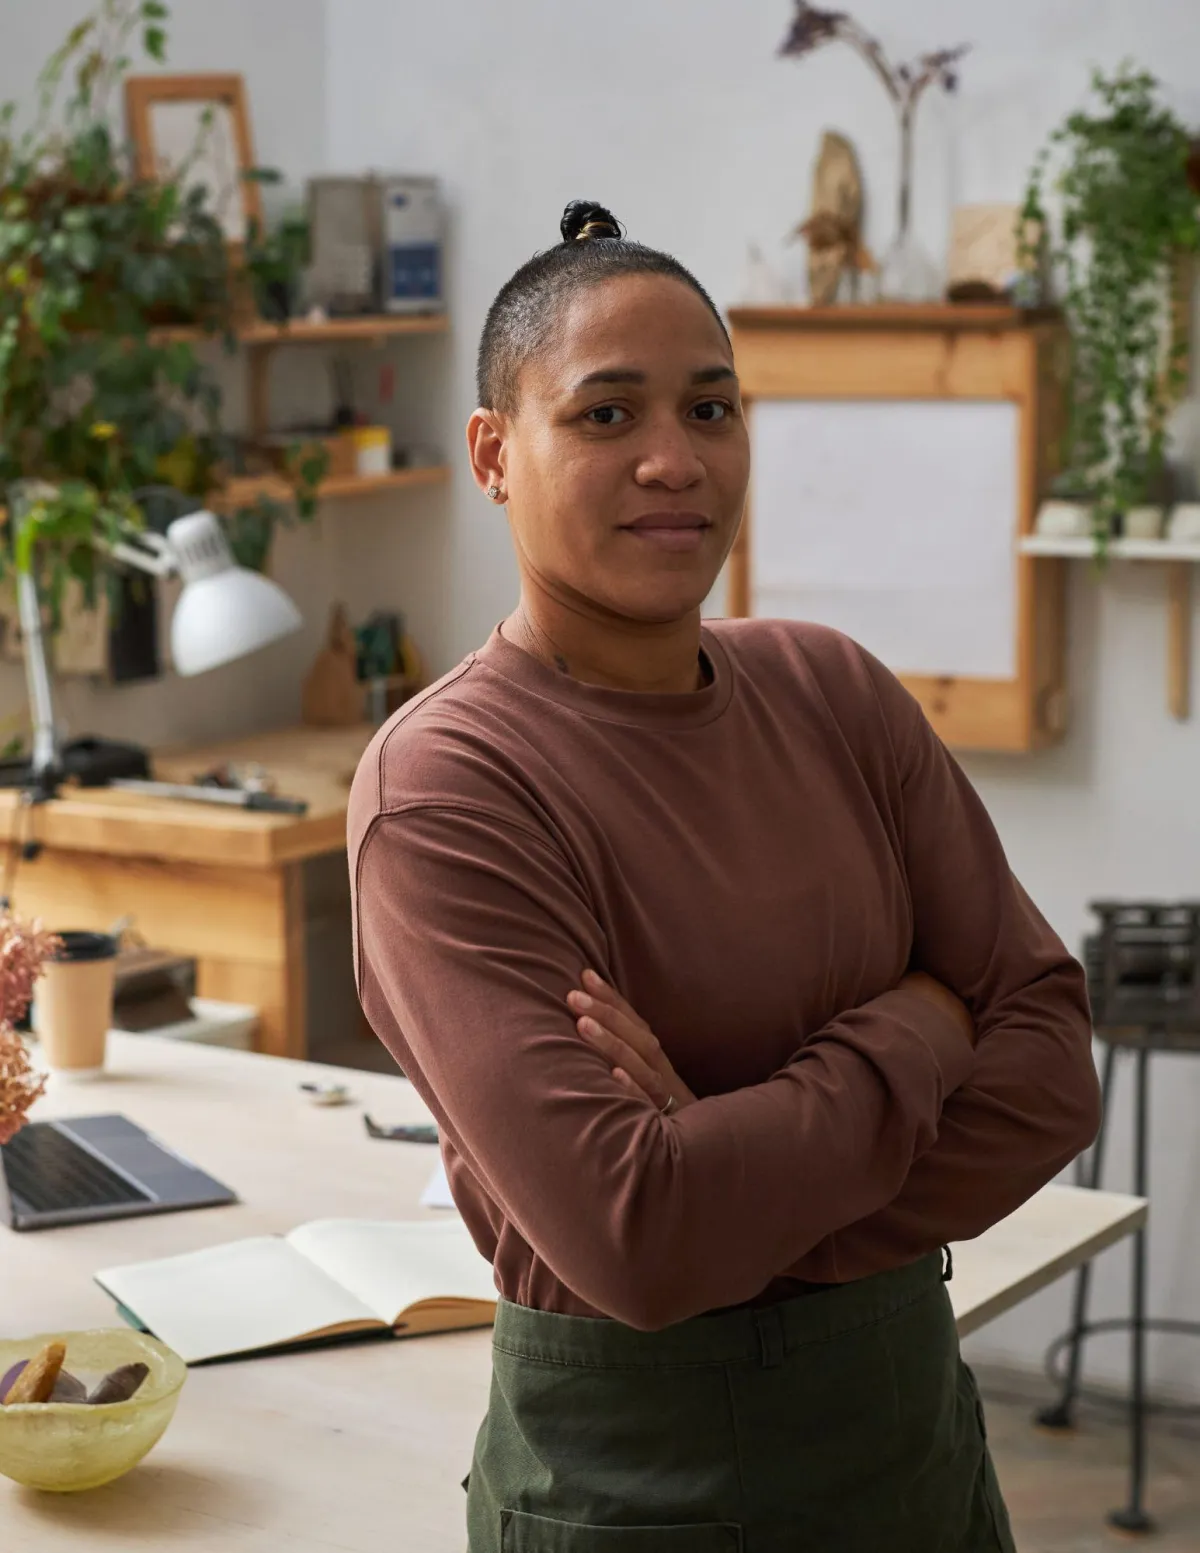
x=163, y=116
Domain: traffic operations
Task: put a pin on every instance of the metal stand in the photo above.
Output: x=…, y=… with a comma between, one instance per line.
x=1060, y=1415
x=1133, y=1516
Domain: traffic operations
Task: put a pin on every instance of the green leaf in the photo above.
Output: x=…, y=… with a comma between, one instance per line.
x=77, y=34
x=154, y=41
x=154, y=11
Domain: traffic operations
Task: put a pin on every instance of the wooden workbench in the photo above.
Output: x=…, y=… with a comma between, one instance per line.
x=223, y=885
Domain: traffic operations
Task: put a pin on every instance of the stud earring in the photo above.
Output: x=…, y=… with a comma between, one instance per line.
x=495, y=492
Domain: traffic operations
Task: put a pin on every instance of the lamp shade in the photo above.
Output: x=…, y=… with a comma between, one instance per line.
x=224, y=611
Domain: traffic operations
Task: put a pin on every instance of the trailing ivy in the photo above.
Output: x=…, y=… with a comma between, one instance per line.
x=1127, y=215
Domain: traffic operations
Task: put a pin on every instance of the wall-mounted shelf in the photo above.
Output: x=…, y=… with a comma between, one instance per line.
x=261, y=336
x=1118, y=549
x=1179, y=557
x=334, y=331
x=893, y=315
x=248, y=488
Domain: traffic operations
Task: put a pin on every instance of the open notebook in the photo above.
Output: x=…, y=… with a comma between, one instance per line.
x=326, y=1280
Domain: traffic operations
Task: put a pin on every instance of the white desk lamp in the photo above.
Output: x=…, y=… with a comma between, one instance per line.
x=223, y=613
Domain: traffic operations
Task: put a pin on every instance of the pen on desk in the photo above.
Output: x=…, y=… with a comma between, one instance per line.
x=327, y=1094
x=417, y=1132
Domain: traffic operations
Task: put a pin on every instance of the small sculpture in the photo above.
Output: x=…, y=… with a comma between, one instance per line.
x=833, y=230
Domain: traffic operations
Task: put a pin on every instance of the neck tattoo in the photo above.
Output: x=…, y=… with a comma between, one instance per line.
x=560, y=663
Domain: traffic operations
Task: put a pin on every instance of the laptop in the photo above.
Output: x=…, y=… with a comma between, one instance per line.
x=85, y=1168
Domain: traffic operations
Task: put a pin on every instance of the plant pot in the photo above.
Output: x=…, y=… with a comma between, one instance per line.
x=276, y=300
x=1184, y=527
x=1143, y=522
x=1064, y=518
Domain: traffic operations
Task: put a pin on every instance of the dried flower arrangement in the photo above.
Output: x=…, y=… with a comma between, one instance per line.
x=23, y=952
x=904, y=274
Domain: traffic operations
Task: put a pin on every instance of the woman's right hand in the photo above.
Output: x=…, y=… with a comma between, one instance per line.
x=935, y=992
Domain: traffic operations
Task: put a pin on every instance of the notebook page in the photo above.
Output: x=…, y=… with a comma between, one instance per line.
x=437, y=1189
x=233, y=1298
x=391, y=1264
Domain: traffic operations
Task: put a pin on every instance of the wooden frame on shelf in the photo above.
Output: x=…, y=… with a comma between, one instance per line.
x=937, y=352
x=179, y=104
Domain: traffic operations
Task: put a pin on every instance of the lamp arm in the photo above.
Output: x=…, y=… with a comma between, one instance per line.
x=44, y=758
x=151, y=554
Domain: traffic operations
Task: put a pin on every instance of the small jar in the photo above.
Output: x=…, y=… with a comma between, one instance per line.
x=372, y=449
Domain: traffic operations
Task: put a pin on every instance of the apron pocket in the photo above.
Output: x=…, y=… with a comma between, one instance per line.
x=523, y=1533
x=997, y=1511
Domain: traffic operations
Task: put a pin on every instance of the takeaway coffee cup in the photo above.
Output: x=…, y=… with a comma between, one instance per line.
x=73, y=1003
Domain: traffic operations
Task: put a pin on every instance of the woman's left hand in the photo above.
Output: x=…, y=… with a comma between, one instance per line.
x=607, y=1022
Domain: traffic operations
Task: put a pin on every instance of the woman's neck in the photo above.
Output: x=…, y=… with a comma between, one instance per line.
x=658, y=659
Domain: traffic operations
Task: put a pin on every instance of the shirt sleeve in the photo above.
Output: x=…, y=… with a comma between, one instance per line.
x=1032, y=1100
x=470, y=932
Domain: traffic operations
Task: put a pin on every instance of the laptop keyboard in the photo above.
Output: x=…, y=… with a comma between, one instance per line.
x=49, y=1172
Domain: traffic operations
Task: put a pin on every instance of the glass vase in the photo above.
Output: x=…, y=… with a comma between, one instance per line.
x=907, y=273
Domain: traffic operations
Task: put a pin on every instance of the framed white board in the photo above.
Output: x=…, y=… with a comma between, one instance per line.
x=894, y=521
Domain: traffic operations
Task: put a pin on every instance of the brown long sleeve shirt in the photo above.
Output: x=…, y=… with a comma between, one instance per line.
x=754, y=866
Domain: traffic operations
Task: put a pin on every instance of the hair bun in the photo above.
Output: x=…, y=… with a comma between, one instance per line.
x=585, y=221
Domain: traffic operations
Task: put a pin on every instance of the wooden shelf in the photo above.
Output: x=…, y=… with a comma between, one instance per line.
x=343, y=330
x=336, y=331
x=1179, y=557
x=1080, y=549
x=248, y=488
x=892, y=315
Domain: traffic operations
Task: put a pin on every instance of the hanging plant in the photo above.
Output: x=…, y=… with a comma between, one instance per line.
x=1127, y=215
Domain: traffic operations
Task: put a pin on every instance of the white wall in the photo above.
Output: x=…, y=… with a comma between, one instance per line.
x=679, y=116
x=279, y=46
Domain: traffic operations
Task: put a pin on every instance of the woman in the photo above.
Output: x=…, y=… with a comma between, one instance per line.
x=709, y=963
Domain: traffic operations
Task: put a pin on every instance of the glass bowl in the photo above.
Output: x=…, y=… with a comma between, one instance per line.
x=68, y=1446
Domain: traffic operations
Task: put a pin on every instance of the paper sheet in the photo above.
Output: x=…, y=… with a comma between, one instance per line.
x=894, y=521
x=234, y=1298
x=437, y=1190
x=390, y=1265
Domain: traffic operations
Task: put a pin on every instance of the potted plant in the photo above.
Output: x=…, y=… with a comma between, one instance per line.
x=96, y=401
x=1119, y=167
x=276, y=261
x=1066, y=509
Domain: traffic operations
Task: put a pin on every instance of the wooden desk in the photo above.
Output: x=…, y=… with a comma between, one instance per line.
x=356, y=1449
x=224, y=885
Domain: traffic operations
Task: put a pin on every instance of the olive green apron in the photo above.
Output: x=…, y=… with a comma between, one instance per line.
x=841, y=1421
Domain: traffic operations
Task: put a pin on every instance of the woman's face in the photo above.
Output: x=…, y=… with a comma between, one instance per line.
x=626, y=462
